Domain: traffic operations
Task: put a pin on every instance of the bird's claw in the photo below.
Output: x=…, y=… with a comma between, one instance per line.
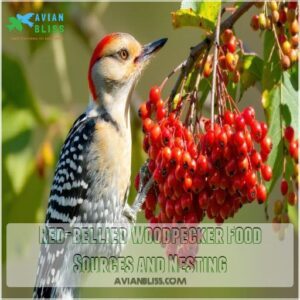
x=129, y=213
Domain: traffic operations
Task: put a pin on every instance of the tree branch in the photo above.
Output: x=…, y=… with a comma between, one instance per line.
x=196, y=51
x=214, y=78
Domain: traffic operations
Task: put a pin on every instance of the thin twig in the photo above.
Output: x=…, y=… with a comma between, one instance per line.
x=171, y=74
x=214, y=75
x=277, y=42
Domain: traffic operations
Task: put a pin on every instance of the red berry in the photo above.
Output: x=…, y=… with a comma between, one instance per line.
x=266, y=172
x=282, y=38
x=148, y=214
x=209, y=139
x=201, y=164
x=284, y=187
x=147, y=125
x=289, y=133
x=266, y=145
x=203, y=200
x=176, y=155
x=186, y=202
x=240, y=122
x=228, y=117
x=292, y=4
x=251, y=179
x=256, y=131
x=222, y=139
x=227, y=36
x=248, y=140
x=231, y=45
x=242, y=151
x=256, y=160
x=264, y=129
x=239, y=138
x=252, y=194
x=151, y=201
x=166, y=154
x=137, y=181
x=255, y=22
x=198, y=185
x=190, y=218
x=261, y=193
x=282, y=16
x=192, y=166
x=155, y=134
x=166, y=137
x=160, y=113
x=144, y=111
x=178, y=209
x=220, y=196
x=154, y=95
x=230, y=168
x=187, y=184
x=293, y=149
x=292, y=198
x=249, y=114
x=151, y=166
x=243, y=165
x=186, y=159
x=170, y=209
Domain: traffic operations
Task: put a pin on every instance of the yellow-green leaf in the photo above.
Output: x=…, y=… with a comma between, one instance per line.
x=201, y=14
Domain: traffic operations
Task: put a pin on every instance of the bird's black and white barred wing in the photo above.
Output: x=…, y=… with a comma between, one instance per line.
x=68, y=192
x=70, y=184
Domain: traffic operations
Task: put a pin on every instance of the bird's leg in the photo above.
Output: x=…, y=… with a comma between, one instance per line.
x=131, y=212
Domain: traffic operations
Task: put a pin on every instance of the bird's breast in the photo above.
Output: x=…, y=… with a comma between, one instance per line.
x=112, y=156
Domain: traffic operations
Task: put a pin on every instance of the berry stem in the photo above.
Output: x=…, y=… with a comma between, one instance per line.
x=277, y=41
x=214, y=75
x=181, y=66
x=200, y=71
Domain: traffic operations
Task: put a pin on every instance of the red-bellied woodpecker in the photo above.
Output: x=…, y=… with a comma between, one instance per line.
x=92, y=177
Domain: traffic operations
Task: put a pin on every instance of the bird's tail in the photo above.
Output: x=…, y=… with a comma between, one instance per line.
x=54, y=293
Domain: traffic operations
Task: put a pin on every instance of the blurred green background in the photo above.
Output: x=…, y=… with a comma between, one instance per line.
x=45, y=88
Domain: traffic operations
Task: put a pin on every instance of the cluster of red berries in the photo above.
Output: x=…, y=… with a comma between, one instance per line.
x=228, y=58
x=287, y=185
x=282, y=17
x=213, y=173
x=293, y=144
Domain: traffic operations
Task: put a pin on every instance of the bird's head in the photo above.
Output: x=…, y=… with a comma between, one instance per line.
x=116, y=64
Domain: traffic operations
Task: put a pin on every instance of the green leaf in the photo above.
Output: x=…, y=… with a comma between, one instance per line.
x=15, y=88
x=251, y=71
x=279, y=99
x=272, y=70
x=281, y=109
x=20, y=117
x=16, y=121
x=273, y=114
x=290, y=108
x=201, y=14
x=19, y=159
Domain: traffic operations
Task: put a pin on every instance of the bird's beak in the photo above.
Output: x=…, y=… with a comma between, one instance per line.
x=149, y=49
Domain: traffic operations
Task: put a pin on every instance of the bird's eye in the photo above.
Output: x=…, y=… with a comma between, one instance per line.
x=123, y=54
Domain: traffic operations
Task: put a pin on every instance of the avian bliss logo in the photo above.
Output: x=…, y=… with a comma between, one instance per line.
x=42, y=23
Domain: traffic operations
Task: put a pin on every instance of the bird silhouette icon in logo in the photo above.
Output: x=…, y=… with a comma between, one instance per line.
x=16, y=22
